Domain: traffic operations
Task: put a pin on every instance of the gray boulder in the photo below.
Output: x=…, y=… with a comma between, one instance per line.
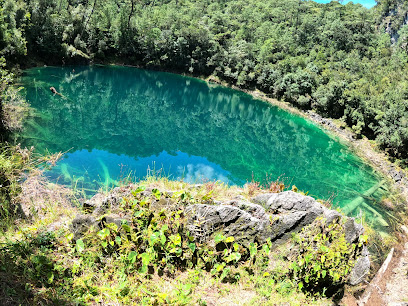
x=290, y=201
x=273, y=216
x=81, y=224
x=361, y=268
x=353, y=230
x=290, y=212
x=205, y=220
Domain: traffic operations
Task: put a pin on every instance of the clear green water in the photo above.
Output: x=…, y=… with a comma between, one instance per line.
x=114, y=121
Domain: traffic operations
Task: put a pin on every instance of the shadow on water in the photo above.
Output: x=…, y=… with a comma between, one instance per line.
x=116, y=120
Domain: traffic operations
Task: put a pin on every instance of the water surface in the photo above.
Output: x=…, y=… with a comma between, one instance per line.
x=116, y=122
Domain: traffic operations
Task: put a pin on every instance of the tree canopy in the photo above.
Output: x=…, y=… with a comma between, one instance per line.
x=344, y=61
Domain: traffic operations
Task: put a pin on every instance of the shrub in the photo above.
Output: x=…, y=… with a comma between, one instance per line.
x=324, y=259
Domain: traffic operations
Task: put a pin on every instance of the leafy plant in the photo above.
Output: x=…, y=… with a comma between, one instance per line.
x=325, y=258
x=157, y=240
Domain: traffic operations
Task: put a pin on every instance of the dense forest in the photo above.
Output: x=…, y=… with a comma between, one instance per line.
x=344, y=61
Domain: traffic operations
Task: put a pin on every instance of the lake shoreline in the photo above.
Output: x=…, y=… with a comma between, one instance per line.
x=364, y=148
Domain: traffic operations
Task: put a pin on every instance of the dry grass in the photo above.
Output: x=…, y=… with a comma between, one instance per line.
x=45, y=203
x=14, y=116
x=15, y=109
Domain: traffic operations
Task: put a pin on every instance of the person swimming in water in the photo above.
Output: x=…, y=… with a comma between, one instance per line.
x=54, y=91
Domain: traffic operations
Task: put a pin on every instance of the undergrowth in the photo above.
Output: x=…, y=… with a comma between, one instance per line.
x=152, y=258
x=13, y=162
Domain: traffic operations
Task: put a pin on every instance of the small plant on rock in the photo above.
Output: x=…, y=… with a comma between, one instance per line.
x=325, y=259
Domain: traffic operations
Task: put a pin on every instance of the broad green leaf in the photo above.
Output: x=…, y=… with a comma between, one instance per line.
x=132, y=256
x=104, y=233
x=162, y=239
x=145, y=258
x=126, y=227
x=143, y=269
x=253, y=250
x=233, y=257
x=186, y=289
x=113, y=227
x=176, y=239
x=154, y=238
x=192, y=246
x=229, y=239
x=219, y=238
x=179, y=251
x=156, y=193
x=50, y=277
x=219, y=267
x=138, y=190
x=80, y=246
x=266, y=249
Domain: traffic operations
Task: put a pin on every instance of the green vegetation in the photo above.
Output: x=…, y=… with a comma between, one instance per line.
x=326, y=258
x=12, y=163
x=13, y=159
x=153, y=259
x=330, y=58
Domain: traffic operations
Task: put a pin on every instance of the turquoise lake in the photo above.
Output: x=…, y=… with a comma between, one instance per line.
x=118, y=122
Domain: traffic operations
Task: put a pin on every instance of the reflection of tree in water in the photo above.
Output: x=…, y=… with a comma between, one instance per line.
x=140, y=113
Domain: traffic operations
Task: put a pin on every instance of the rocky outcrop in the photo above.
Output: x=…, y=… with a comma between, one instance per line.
x=289, y=212
x=361, y=268
x=96, y=209
x=102, y=209
x=273, y=216
x=204, y=220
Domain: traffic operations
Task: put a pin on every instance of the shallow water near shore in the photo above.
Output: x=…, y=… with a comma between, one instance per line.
x=119, y=122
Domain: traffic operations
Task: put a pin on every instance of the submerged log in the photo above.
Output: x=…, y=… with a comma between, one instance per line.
x=378, y=216
x=360, y=199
